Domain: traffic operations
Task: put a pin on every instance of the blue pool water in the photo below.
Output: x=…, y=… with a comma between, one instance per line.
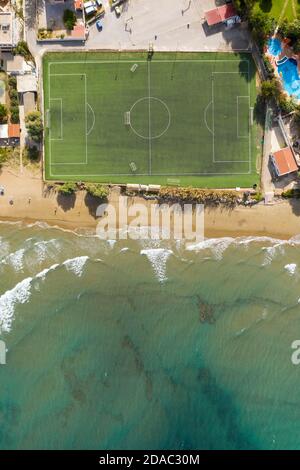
x=274, y=46
x=290, y=77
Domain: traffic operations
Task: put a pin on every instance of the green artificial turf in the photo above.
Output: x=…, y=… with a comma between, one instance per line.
x=189, y=118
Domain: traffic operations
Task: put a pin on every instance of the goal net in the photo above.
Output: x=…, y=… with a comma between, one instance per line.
x=47, y=118
x=127, y=118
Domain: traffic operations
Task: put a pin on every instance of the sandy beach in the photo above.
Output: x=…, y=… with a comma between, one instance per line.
x=31, y=203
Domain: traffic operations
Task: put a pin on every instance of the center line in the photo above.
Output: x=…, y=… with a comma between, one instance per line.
x=149, y=117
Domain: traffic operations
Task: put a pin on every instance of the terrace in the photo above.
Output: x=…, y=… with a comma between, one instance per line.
x=50, y=22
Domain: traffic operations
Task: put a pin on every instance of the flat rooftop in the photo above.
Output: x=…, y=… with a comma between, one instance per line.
x=6, y=33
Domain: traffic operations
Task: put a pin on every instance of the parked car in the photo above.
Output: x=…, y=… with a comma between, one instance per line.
x=118, y=11
x=99, y=25
x=90, y=10
x=99, y=3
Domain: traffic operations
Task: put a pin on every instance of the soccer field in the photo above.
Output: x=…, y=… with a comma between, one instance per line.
x=180, y=118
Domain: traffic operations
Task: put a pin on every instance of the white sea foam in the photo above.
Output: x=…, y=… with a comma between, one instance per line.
x=46, y=248
x=217, y=246
x=76, y=265
x=42, y=275
x=15, y=259
x=17, y=295
x=271, y=252
x=158, y=258
x=291, y=268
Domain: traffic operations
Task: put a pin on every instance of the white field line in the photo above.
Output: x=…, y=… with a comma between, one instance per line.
x=157, y=174
x=238, y=115
x=149, y=117
x=61, y=119
x=94, y=119
x=86, y=143
x=249, y=136
x=205, y=119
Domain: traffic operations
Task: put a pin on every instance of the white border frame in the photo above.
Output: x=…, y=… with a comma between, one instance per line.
x=150, y=157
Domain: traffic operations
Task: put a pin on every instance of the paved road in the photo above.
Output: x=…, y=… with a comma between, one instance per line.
x=167, y=24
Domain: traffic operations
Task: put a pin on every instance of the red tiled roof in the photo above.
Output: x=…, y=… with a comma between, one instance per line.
x=78, y=4
x=14, y=131
x=285, y=161
x=78, y=31
x=220, y=14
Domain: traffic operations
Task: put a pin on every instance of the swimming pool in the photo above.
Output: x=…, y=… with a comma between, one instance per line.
x=274, y=47
x=289, y=74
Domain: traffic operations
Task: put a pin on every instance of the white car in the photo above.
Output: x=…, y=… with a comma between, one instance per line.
x=89, y=4
x=99, y=3
x=118, y=11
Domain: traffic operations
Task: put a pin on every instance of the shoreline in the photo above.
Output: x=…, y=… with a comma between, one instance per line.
x=30, y=205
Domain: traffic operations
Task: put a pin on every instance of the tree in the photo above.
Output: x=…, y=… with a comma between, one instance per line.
x=270, y=89
x=262, y=25
x=3, y=113
x=69, y=19
x=34, y=125
x=23, y=50
x=97, y=190
x=67, y=189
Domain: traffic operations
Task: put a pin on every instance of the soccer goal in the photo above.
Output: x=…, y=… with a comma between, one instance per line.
x=127, y=118
x=47, y=118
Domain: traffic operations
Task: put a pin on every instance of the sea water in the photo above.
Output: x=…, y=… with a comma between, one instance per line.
x=107, y=347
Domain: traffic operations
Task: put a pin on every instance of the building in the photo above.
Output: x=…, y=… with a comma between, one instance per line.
x=29, y=102
x=7, y=36
x=14, y=133
x=284, y=162
x=224, y=14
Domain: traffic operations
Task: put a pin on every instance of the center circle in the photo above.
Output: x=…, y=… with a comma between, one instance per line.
x=150, y=118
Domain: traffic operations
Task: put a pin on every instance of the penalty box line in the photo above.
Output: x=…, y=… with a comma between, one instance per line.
x=213, y=120
x=86, y=131
x=61, y=119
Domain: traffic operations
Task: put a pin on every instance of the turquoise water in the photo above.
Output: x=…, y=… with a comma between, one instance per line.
x=274, y=46
x=290, y=77
x=106, y=349
x=288, y=69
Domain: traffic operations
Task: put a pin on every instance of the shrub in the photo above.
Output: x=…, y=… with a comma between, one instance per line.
x=14, y=115
x=23, y=50
x=3, y=113
x=13, y=94
x=31, y=153
x=34, y=125
x=257, y=197
x=67, y=189
x=291, y=193
x=69, y=19
x=12, y=82
x=97, y=190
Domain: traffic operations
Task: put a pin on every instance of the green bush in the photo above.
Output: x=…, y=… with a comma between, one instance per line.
x=14, y=115
x=13, y=94
x=31, y=153
x=97, y=190
x=34, y=125
x=12, y=82
x=3, y=114
x=23, y=50
x=257, y=197
x=69, y=19
x=67, y=189
x=291, y=193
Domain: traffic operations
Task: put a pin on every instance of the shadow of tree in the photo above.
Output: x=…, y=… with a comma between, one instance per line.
x=66, y=202
x=92, y=203
x=259, y=112
x=265, y=5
